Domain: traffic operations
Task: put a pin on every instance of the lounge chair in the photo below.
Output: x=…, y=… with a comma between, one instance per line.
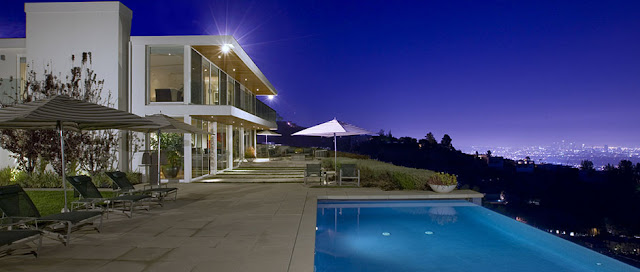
x=92, y=198
x=18, y=208
x=9, y=238
x=160, y=193
x=349, y=171
x=313, y=170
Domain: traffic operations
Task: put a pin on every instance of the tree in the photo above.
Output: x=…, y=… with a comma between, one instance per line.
x=586, y=165
x=93, y=150
x=488, y=153
x=430, y=139
x=446, y=141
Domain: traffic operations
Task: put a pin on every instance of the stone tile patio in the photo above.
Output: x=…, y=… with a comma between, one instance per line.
x=211, y=227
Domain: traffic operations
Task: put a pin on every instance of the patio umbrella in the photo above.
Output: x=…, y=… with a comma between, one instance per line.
x=167, y=124
x=267, y=133
x=333, y=128
x=62, y=112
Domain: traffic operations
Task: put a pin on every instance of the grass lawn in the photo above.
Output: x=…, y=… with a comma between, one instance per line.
x=51, y=202
x=385, y=175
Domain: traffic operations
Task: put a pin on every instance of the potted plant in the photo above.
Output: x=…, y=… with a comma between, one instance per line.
x=442, y=182
x=250, y=154
x=171, y=146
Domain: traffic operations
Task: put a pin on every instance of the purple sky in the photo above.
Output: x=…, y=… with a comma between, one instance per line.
x=487, y=73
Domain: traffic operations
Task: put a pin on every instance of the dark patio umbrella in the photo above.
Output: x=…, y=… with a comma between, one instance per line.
x=62, y=112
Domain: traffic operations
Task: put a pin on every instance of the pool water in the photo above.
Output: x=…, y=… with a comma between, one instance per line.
x=440, y=235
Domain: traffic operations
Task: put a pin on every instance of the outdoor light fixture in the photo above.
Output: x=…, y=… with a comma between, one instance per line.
x=225, y=48
x=270, y=97
x=234, y=69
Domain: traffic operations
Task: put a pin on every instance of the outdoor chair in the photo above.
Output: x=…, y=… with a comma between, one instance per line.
x=159, y=193
x=9, y=238
x=18, y=208
x=349, y=171
x=313, y=170
x=92, y=198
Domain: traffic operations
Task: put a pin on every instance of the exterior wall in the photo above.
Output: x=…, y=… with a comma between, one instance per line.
x=11, y=49
x=55, y=31
x=10, y=52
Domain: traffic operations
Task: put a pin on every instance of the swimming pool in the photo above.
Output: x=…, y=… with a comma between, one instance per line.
x=440, y=235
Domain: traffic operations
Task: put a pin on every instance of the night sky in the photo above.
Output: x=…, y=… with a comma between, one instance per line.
x=499, y=73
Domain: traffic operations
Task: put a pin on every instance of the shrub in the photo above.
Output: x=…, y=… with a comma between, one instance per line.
x=250, y=153
x=385, y=175
x=6, y=176
x=101, y=180
x=134, y=177
x=442, y=179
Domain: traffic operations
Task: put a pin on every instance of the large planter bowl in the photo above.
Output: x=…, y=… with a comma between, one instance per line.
x=170, y=171
x=442, y=188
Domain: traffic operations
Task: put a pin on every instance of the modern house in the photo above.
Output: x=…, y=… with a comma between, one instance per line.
x=207, y=81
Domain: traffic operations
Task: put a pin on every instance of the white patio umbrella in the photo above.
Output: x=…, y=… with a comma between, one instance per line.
x=168, y=125
x=333, y=128
x=62, y=112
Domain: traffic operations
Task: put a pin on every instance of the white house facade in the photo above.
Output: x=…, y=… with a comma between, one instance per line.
x=207, y=81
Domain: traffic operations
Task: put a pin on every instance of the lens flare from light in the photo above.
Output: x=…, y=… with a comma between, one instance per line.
x=270, y=97
x=225, y=48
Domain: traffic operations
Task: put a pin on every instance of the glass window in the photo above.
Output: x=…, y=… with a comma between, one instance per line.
x=23, y=77
x=206, y=81
x=196, y=78
x=237, y=95
x=213, y=86
x=166, y=74
x=230, y=92
x=223, y=88
x=200, y=147
x=221, y=152
x=236, y=146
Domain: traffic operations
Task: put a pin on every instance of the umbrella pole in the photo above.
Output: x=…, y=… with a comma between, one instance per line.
x=158, y=182
x=335, y=152
x=64, y=178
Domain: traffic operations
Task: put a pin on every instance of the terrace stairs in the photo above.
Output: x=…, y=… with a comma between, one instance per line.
x=284, y=171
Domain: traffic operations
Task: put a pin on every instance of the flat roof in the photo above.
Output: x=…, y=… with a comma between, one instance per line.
x=13, y=43
x=235, y=63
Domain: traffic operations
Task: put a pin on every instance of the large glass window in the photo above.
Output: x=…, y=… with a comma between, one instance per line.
x=230, y=92
x=197, y=74
x=23, y=77
x=221, y=152
x=223, y=88
x=237, y=95
x=212, y=86
x=200, y=147
x=166, y=74
x=236, y=146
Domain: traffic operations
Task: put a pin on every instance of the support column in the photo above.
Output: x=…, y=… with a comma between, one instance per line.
x=123, y=150
x=187, y=152
x=229, y=146
x=241, y=145
x=254, y=139
x=214, y=147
